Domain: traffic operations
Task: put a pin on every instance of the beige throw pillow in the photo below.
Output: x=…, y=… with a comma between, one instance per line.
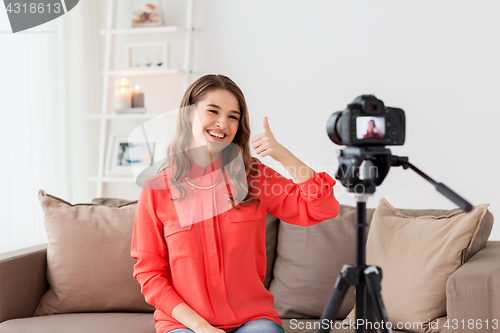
x=417, y=255
x=308, y=262
x=89, y=267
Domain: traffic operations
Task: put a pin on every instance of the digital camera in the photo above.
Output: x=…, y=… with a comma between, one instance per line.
x=367, y=122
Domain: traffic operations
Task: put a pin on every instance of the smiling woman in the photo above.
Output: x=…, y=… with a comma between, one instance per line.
x=214, y=103
x=199, y=242
x=215, y=118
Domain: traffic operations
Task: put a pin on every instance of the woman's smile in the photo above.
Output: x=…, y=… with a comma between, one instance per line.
x=216, y=134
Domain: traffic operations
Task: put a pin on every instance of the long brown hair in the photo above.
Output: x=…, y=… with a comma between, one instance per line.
x=176, y=151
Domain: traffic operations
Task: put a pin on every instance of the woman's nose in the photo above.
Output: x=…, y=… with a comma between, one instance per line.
x=221, y=122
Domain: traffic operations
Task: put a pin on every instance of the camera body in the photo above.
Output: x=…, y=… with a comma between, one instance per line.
x=367, y=122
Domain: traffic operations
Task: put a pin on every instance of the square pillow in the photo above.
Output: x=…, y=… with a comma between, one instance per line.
x=89, y=267
x=308, y=262
x=417, y=255
x=481, y=236
x=109, y=201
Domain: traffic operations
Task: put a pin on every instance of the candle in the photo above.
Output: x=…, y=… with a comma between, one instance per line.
x=137, y=98
x=123, y=83
x=123, y=98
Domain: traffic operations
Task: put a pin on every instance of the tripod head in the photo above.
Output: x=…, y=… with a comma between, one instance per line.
x=362, y=169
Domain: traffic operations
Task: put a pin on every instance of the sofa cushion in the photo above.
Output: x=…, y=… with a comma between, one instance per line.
x=122, y=323
x=89, y=267
x=110, y=202
x=481, y=236
x=308, y=261
x=83, y=323
x=417, y=255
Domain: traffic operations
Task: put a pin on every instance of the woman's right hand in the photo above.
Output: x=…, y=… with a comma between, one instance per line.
x=191, y=319
x=207, y=328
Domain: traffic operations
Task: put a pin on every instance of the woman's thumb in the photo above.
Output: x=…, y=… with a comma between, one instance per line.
x=266, y=125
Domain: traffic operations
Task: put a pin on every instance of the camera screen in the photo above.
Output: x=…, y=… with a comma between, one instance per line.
x=370, y=128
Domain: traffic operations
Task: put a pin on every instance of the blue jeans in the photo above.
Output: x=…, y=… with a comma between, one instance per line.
x=255, y=326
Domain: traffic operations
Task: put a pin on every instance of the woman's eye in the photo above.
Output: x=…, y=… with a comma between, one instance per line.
x=215, y=112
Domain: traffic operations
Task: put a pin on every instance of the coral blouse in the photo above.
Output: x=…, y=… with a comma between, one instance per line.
x=218, y=265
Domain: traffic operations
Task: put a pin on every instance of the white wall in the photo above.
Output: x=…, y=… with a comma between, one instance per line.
x=299, y=61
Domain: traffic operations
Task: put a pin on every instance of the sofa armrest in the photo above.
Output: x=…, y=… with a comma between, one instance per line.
x=22, y=281
x=473, y=290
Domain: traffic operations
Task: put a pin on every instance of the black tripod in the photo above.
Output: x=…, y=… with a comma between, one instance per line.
x=367, y=279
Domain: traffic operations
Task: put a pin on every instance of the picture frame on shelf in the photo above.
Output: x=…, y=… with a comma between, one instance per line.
x=146, y=13
x=146, y=55
x=122, y=155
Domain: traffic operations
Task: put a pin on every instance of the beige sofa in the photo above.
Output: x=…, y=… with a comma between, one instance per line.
x=303, y=264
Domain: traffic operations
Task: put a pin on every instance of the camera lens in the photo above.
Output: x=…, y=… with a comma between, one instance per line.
x=333, y=128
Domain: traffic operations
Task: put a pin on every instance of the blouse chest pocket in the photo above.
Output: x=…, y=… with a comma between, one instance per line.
x=243, y=228
x=180, y=240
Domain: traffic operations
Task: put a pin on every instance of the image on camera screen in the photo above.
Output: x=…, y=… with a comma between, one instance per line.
x=370, y=128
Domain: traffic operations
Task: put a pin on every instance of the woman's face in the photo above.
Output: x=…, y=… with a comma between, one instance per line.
x=215, y=120
x=371, y=125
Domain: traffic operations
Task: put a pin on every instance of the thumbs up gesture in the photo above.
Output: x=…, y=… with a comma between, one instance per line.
x=266, y=145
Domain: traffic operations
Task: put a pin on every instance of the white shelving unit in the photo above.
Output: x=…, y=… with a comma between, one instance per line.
x=106, y=115
x=153, y=30
x=121, y=116
x=142, y=72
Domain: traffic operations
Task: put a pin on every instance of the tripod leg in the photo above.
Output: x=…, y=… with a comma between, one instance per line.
x=373, y=277
x=360, y=307
x=364, y=310
x=335, y=301
x=371, y=316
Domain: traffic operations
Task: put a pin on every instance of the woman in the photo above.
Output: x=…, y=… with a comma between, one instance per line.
x=372, y=131
x=200, y=263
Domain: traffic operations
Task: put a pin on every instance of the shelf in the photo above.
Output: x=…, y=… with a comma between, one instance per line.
x=110, y=73
x=122, y=116
x=113, y=179
x=145, y=30
x=138, y=72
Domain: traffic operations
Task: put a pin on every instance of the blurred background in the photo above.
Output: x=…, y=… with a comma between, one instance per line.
x=297, y=62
